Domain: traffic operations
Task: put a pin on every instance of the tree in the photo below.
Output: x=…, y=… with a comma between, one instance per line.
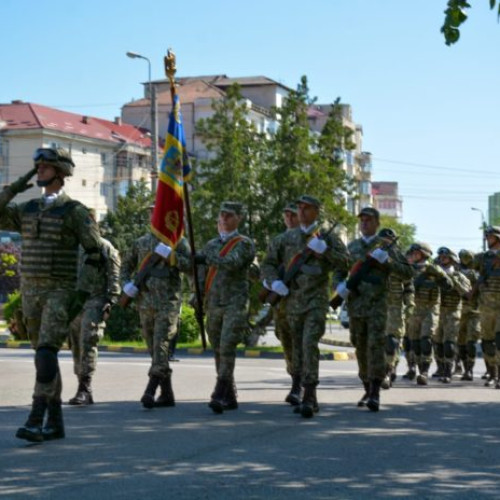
x=131, y=219
x=406, y=232
x=233, y=170
x=456, y=15
x=9, y=272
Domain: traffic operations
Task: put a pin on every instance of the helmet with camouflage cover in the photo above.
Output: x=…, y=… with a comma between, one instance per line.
x=422, y=247
x=466, y=257
x=448, y=253
x=58, y=157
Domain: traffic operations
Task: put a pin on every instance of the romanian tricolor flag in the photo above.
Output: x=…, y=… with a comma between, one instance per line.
x=167, y=221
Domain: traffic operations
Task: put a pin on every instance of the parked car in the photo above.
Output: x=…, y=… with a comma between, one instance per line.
x=344, y=316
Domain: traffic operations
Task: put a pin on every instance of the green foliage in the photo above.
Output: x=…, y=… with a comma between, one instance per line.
x=131, y=219
x=123, y=324
x=9, y=272
x=456, y=15
x=406, y=232
x=190, y=331
x=12, y=305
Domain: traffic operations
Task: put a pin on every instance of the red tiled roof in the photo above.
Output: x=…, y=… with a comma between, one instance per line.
x=23, y=116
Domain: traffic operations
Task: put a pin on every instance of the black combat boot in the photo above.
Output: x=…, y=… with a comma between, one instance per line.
x=387, y=382
x=411, y=373
x=166, y=397
x=468, y=373
x=366, y=396
x=54, y=428
x=83, y=396
x=293, y=396
x=148, y=398
x=217, y=398
x=423, y=376
x=309, y=404
x=373, y=402
x=32, y=429
x=231, y=397
x=447, y=372
x=439, y=373
x=492, y=375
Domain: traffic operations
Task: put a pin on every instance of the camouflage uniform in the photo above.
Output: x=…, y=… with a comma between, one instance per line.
x=52, y=232
x=307, y=302
x=424, y=321
x=158, y=303
x=470, y=325
x=226, y=262
x=368, y=307
x=446, y=335
x=488, y=265
x=102, y=283
x=400, y=299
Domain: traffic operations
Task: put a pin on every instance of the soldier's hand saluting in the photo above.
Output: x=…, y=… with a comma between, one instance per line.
x=22, y=184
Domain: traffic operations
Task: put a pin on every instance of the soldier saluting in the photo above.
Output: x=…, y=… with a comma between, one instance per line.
x=52, y=227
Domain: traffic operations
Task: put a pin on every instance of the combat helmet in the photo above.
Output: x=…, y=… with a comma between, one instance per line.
x=450, y=253
x=58, y=157
x=466, y=257
x=421, y=247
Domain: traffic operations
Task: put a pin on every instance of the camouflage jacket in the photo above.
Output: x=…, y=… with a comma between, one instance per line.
x=429, y=280
x=310, y=286
x=77, y=228
x=371, y=294
x=488, y=285
x=451, y=298
x=163, y=286
x=225, y=279
x=469, y=301
x=101, y=279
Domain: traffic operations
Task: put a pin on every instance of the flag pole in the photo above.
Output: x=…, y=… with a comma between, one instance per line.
x=170, y=70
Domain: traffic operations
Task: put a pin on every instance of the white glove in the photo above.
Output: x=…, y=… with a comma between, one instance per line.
x=317, y=245
x=342, y=289
x=163, y=250
x=449, y=270
x=130, y=289
x=379, y=255
x=280, y=288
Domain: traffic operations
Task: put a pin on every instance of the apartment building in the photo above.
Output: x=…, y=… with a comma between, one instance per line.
x=387, y=200
x=109, y=156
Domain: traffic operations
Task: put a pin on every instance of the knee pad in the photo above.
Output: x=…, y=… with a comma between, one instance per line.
x=489, y=347
x=426, y=346
x=391, y=345
x=449, y=349
x=497, y=340
x=46, y=365
x=439, y=350
x=471, y=349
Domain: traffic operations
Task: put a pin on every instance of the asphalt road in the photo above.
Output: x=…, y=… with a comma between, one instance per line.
x=434, y=442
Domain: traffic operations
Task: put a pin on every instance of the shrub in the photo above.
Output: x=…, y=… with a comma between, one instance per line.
x=189, y=331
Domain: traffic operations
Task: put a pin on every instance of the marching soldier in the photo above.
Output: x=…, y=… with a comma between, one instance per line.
x=445, y=339
x=470, y=325
x=488, y=265
x=429, y=277
x=52, y=228
x=308, y=293
x=373, y=259
x=158, y=302
x=226, y=295
x=101, y=280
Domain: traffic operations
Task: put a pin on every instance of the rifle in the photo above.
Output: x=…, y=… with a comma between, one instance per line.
x=272, y=298
x=140, y=278
x=359, y=271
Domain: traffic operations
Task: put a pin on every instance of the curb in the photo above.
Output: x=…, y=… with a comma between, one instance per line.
x=247, y=353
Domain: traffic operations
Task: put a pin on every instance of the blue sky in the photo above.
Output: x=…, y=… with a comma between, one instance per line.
x=430, y=113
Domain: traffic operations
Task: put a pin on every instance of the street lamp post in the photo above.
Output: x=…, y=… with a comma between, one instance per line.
x=483, y=224
x=154, y=120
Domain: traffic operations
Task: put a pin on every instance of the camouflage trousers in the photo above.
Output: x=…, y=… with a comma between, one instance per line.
x=85, y=332
x=307, y=329
x=226, y=328
x=421, y=330
x=446, y=336
x=283, y=333
x=370, y=335
x=468, y=335
x=158, y=328
x=394, y=329
x=490, y=334
x=46, y=317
